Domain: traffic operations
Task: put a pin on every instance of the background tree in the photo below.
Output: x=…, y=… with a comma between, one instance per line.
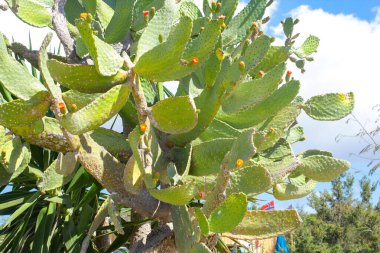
x=187, y=164
x=341, y=223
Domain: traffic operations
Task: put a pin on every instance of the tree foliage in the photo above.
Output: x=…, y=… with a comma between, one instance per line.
x=341, y=222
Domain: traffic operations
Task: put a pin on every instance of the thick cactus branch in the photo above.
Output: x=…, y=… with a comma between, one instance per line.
x=145, y=241
x=60, y=27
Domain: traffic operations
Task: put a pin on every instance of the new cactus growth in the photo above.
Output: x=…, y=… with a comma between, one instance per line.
x=224, y=137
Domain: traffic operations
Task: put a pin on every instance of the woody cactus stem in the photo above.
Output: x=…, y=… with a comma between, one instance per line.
x=60, y=26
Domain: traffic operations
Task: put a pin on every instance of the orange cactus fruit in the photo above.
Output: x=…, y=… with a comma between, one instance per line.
x=83, y=15
x=239, y=163
x=145, y=13
x=242, y=65
x=202, y=195
x=143, y=127
x=61, y=106
x=194, y=61
x=289, y=73
x=261, y=73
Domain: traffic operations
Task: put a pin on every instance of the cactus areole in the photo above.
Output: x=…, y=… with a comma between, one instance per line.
x=223, y=136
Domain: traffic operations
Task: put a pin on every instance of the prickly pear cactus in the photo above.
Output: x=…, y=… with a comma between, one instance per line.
x=195, y=158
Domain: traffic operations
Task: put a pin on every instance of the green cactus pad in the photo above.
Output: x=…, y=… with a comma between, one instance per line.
x=294, y=190
x=308, y=47
x=219, y=129
x=190, y=9
x=114, y=142
x=228, y=214
x=157, y=63
x=42, y=63
x=284, y=118
x=182, y=159
x=176, y=195
x=174, y=115
x=66, y=163
x=202, y=221
x=208, y=102
x=278, y=151
x=269, y=107
x=27, y=111
x=332, y=106
x=95, y=158
x=295, y=134
x=11, y=154
x=51, y=179
x=44, y=133
x=83, y=78
x=35, y=13
x=76, y=100
x=4, y=176
x=212, y=66
x=256, y=51
x=134, y=140
x=312, y=152
x=140, y=6
x=238, y=26
x=97, y=112
x=158, y=26
x=253, y=179
x=208, y=156
x=322, y=168
x=183, y=229
x=243, y=149
x=121, y=21
x=266, y=224
x=48, y=134
x=201, y=47
x=132, y=177
x=99, y=9
x=3, y=136
x=252, y=92
x=16, y=158
x=288, y=27
x=114, y=214
x=228, y=9
x=15, y=77
x=200, y=248
x=107, y=60
x=275, y=56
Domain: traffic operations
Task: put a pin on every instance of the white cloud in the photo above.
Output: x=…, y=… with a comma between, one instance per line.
x=347, y=60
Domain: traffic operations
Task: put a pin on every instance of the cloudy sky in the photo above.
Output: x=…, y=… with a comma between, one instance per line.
x=347, y=60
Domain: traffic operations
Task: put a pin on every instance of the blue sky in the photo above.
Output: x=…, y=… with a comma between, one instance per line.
x=363, y=9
